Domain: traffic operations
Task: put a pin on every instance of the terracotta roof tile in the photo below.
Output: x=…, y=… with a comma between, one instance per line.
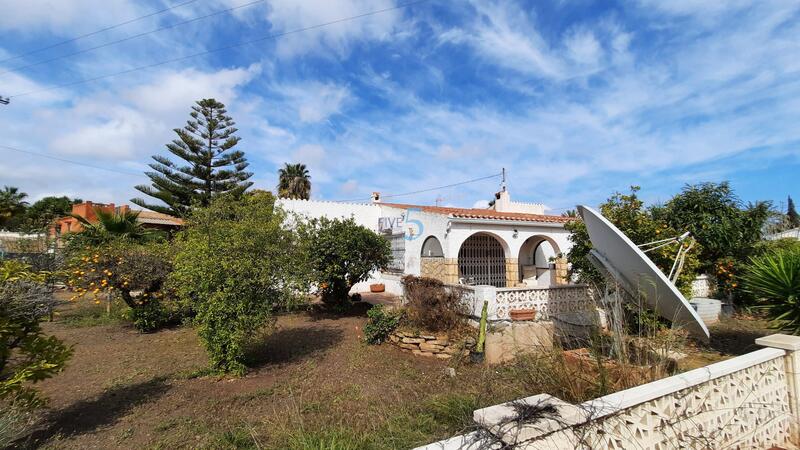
x=474, y=213
x=158, y=218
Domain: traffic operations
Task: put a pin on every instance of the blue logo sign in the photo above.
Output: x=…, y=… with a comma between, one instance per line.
x=411, y=235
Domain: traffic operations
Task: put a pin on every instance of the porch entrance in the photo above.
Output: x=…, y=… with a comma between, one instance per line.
x=482, y=260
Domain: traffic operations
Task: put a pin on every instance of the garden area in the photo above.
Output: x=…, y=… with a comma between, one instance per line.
x=313, y=382
x=240, y=331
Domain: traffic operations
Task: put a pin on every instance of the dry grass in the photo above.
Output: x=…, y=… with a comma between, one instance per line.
x=314, y=385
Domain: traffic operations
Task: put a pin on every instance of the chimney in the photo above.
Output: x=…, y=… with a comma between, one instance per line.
x=376, y=197
x=503, y=201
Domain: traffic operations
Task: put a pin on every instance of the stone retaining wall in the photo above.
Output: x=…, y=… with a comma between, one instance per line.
x=431, y=345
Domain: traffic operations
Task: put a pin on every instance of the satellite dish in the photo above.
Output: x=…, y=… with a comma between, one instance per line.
x=637, y=274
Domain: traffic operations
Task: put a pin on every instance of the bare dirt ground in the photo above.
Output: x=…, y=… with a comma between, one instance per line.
x=314, y=384
x=123, y=389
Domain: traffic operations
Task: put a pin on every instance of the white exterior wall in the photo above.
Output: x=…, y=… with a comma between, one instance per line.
x=451, y=232
x=461, y=229
x=365, y=214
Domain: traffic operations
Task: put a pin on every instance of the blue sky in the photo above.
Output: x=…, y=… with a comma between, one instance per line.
x=576, y=99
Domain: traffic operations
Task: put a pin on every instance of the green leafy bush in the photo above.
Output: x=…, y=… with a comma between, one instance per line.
x=774, y=280
x=342, y=253
x=432, y=306
x=235, y=265
x=13, y=270
x=27, y=355
x=380, y=325
x=136, y=273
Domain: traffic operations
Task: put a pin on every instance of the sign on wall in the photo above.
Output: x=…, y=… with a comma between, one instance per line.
x=412, y=228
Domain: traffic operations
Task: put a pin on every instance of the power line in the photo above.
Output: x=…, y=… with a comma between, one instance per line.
x=135, y=19
x=426, y=190
x=44, y=155
x=129, y=38
x=219, y=49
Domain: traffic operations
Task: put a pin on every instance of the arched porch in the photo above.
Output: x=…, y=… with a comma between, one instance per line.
x=537, y=261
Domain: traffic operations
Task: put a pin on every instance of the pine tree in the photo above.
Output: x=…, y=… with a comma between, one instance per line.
x=791, y=214
x=213, y=169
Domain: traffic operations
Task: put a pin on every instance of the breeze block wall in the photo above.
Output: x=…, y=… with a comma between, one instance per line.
x=747, y=402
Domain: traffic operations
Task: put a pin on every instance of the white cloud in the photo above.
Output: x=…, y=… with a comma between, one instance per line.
x=103, y=126
x=316, y=158
x=64, y=18
x=504, y=35
x=288, y=15
x=315, y=101
x=583, y=47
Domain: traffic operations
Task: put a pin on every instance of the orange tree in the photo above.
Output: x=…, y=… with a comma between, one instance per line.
x=136, y=273
x=237, y=263
x=342, y=253
x=628, y=213
x=728, y=231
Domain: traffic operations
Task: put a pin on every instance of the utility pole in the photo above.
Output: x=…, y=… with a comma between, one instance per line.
x=4, y=100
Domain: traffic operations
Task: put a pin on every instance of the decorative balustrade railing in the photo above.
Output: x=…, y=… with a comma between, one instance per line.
x=548, y=302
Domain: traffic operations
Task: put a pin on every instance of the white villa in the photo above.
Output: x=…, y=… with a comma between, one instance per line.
x=511, y=244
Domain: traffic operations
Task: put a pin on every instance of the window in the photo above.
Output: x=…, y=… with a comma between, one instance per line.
x=431, y=248
x=398, y=262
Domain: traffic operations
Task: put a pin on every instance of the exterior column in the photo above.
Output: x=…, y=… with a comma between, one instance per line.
x=560, y=275
x=450, y=271
x=791, y=344
x=512, y=272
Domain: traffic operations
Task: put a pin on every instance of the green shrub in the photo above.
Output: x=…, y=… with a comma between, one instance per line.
x=236, y=263
x=342, y=253
x=774, y=280
x=380, y=325
x=432, y=306
x=26, y=354
x=13, y=270
x=150, y=316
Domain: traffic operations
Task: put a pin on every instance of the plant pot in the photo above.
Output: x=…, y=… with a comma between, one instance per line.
x=380, y=287
x=523, y=314
x=476, y=358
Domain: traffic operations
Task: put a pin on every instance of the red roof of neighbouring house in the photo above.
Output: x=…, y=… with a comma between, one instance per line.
x=474, y=213
x=157, y=218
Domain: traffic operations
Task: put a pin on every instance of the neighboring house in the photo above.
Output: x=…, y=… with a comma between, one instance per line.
x=87, y=210
x=510, y=245
x=794, y=233
x=12, y=242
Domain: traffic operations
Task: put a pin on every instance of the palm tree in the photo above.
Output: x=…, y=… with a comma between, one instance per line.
x=294, y=182
x=11, y=203
x=774, y=279
x=113, y=225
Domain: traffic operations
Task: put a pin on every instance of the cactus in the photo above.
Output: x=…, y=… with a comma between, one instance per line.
x=482, y=333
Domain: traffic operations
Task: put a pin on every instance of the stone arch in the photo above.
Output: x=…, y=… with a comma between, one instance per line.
x=482, y=260
x=534, y=260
